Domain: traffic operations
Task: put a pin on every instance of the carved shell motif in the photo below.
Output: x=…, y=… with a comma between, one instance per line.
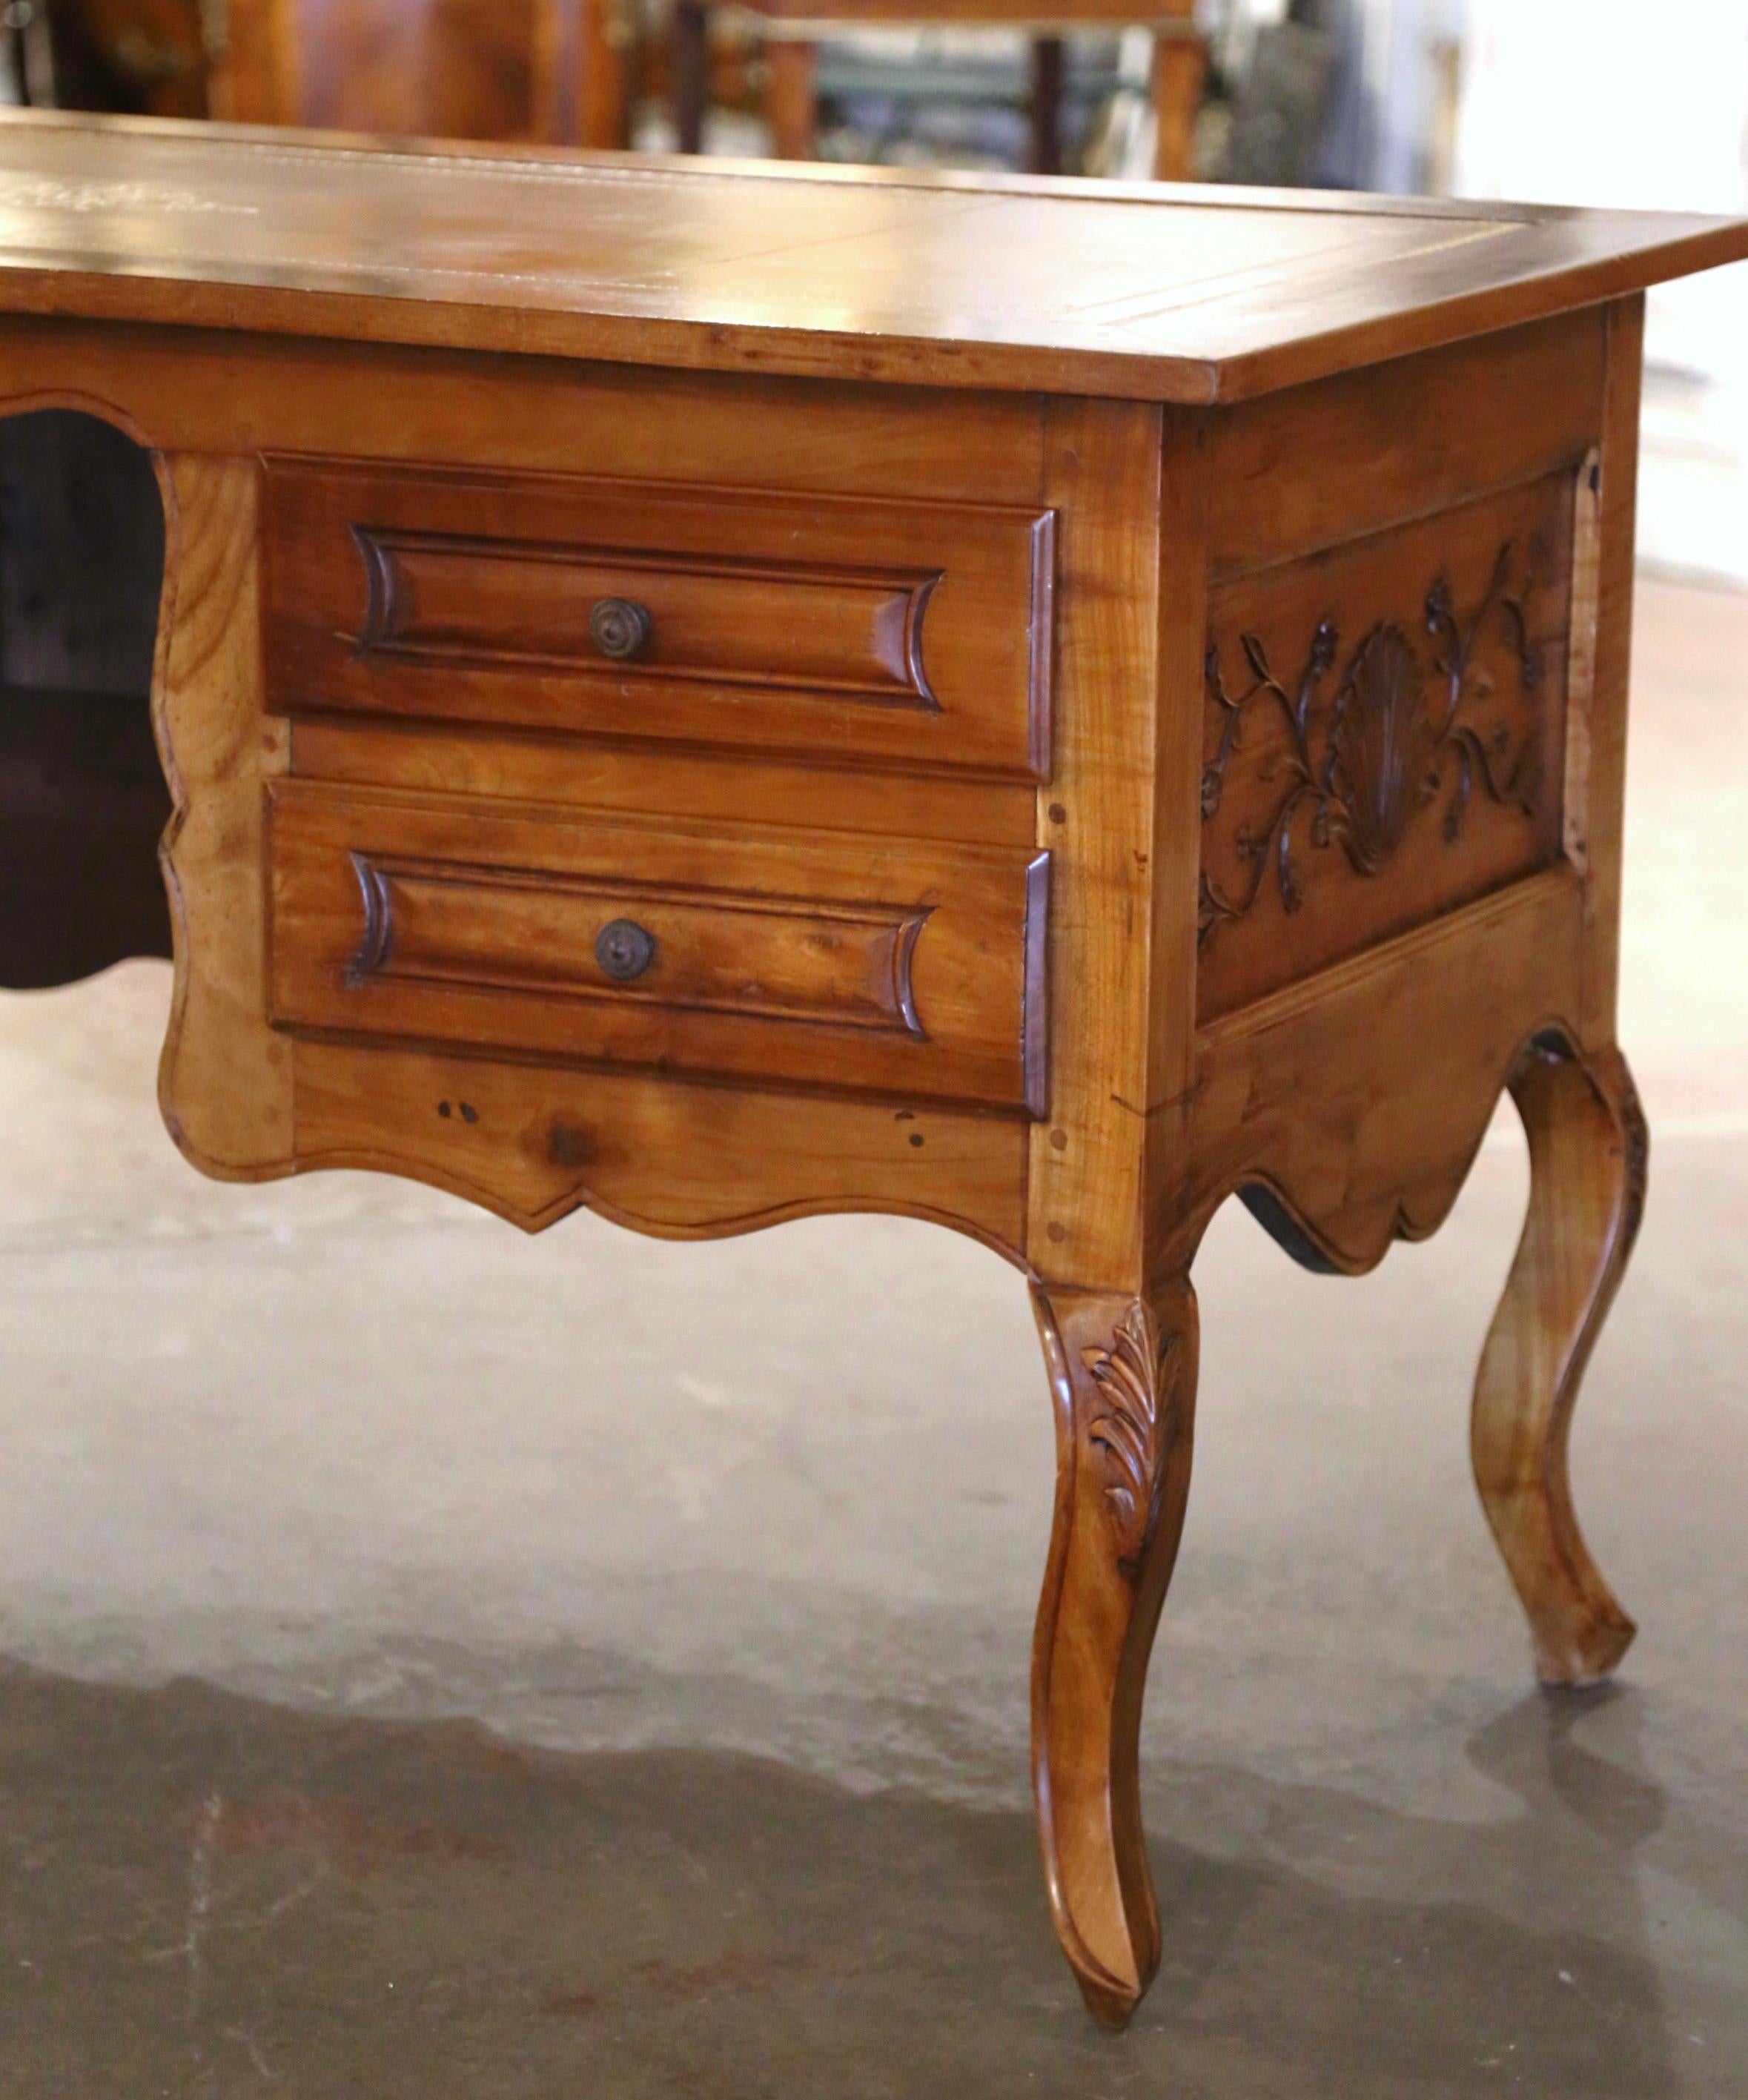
x=1132, y=1429
x=1381, y=747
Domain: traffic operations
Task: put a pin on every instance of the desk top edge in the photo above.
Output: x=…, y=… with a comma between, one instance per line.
x=1197, y=295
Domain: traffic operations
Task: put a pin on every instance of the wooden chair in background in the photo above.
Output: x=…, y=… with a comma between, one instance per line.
x=791, y=27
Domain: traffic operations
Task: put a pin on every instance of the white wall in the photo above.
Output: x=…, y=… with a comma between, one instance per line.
x=1621, y=103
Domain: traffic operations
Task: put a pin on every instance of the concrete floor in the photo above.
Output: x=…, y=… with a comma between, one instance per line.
x=440, y=1664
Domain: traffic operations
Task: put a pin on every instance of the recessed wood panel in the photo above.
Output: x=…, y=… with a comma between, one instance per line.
x=906, y=966
x=1383, y=732
x=848, y=627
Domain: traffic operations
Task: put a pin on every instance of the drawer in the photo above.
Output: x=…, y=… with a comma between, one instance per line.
x=906, y=966
x=845, y=627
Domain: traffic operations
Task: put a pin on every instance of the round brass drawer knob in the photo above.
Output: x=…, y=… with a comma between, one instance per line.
x=619, y=627
x=625, y=950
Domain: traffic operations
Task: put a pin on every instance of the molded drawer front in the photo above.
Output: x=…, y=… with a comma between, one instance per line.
x=906, y=966
x=849, y=627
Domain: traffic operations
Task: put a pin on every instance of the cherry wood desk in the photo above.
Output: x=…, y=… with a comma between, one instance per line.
x=720, y=693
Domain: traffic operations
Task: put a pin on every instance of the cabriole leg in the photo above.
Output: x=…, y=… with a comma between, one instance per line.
x=1587, y=1156
x=1122, y=1374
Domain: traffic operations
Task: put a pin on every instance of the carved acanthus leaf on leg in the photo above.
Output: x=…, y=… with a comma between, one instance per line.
x=1132, y=1431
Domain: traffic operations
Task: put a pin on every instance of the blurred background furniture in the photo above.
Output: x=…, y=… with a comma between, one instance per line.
x=790, y=31
x=554, y=72
x=1273, y=118
x=1107, y=87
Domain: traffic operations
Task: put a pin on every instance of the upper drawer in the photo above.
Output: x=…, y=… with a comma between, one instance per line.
x=900, y=966
x=845, y=627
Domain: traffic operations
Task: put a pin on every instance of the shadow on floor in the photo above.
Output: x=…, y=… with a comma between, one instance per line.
x=205, y=1895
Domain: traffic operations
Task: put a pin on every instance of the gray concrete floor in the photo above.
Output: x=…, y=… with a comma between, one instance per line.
x=443, y=1663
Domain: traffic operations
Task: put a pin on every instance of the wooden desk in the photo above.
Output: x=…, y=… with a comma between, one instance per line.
x=722, y=693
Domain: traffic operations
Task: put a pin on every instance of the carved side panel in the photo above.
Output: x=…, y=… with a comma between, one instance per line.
x=1383, y=735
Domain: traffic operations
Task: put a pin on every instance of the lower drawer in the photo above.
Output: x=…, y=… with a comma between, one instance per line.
x=835, y=959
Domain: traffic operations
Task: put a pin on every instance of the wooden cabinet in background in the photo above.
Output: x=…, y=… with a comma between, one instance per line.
x=152, y=56
x=553, y=71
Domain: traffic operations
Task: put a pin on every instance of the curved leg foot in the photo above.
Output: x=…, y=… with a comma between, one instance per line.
x=1122, y=1374
x=1587, y=1154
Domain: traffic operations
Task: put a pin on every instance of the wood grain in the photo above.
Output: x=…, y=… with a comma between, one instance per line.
x=617, y=774
x=1357, y=1098
x=1299, y=471
x=184, y=389
x=1096, y=820
x=1605, y=754
x=224, y=1083
x=1197, y=297
x=682, y=1160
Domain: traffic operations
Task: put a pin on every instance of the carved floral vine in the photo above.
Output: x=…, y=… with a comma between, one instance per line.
x=1134, y=1429
x=1385, y=743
